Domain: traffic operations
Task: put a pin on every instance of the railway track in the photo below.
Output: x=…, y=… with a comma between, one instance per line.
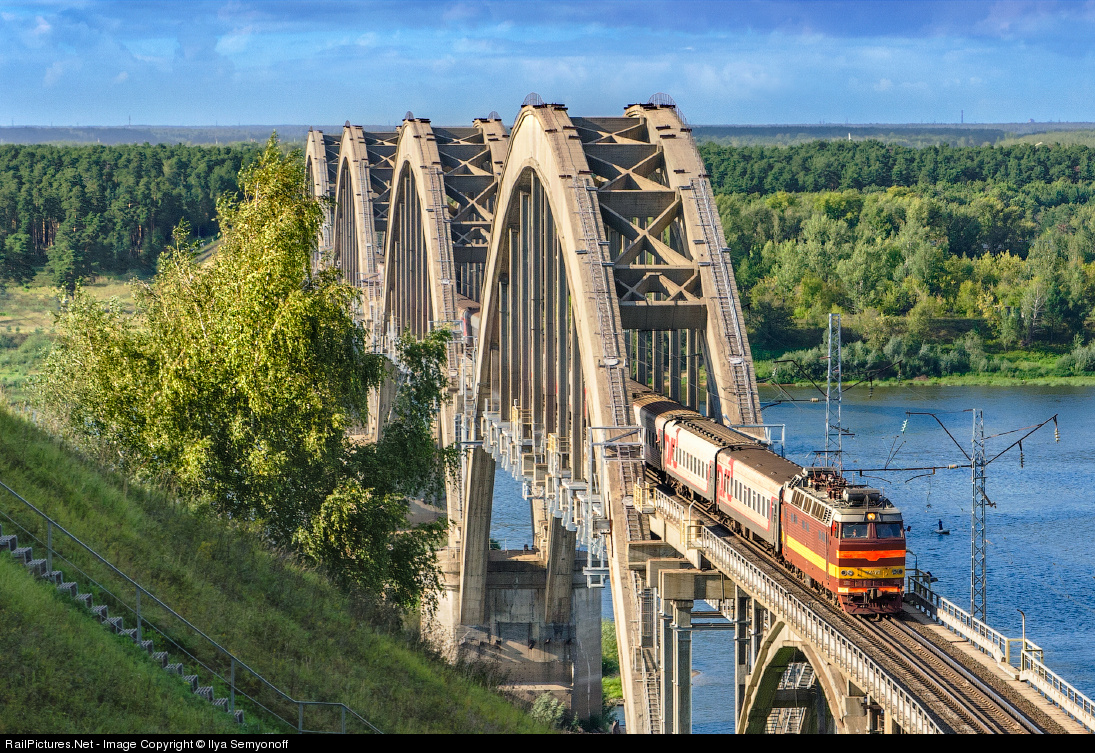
x=984, y=709
x=959, y=700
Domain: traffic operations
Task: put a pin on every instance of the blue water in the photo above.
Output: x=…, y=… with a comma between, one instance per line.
x=1040, y=533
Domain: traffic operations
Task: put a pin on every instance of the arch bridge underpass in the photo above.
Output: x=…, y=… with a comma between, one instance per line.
x=569, y=255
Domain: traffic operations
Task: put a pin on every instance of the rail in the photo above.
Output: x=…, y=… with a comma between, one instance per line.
x=1029, y=660
x=241, y=679
x=839, y=650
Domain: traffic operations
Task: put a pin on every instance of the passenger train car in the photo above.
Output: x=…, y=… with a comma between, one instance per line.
x=844, y=539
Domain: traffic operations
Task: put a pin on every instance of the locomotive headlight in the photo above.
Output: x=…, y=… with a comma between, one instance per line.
x=846, y=573
x=870, y=516
x=899, y=571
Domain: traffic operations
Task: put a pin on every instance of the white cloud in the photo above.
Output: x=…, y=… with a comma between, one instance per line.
x=883, y=85
x=53, y=73
x=121, y=77
x=234, y=43
x=42, y=27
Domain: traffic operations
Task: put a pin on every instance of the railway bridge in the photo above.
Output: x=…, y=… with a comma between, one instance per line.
x=568, y=255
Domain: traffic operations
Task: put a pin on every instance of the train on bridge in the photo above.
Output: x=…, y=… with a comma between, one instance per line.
x=846, y=541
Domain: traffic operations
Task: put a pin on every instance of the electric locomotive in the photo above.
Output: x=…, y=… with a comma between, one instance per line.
x=844, y=539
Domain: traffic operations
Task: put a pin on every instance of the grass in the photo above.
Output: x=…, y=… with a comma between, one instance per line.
x=611, y=683
x=26, y=327
x=65, y=673
x=283, y=619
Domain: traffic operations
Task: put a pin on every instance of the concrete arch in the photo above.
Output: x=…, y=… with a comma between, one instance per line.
x=828, y=678
x=320, y=160
x=354, y=244
x=419, y=208
x=729, y=359
x=544, y=144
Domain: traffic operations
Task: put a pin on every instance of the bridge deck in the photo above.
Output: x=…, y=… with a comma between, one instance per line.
x=700, y=539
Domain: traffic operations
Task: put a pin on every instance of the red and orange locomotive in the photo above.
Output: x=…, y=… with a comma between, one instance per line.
x=847, y=540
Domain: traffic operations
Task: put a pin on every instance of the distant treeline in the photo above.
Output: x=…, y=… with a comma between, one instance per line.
x=78, y=211
x=912, y=136
x=840, y=165
x=901, y=240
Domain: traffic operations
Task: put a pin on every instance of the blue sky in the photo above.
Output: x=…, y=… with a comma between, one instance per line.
x=196, y=63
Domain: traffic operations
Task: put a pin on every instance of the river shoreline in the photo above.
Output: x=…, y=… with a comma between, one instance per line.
x=964, y=380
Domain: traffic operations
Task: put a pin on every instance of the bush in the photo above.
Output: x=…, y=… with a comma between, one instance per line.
x=1080, y=361
x=549, y=710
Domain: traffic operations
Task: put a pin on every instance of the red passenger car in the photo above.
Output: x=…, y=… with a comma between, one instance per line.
x=845, y=540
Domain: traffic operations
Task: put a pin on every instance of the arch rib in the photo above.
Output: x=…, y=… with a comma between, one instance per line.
x=548, y=296
x=730, y=360
x=321, y=161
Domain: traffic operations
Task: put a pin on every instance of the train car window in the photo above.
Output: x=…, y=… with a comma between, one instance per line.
x=853, y=531
x=887, y=530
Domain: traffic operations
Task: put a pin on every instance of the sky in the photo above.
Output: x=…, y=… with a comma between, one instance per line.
x=744, y=62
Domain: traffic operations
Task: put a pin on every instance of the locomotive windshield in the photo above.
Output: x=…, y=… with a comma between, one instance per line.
x=853, y=531
x=887, y=530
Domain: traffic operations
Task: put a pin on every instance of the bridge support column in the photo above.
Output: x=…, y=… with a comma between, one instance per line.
x=663, y=638
x=475, y=544
x=857, y=719
x=682, y=667
x=560, y=571
x=741, y=651
x=678, y=590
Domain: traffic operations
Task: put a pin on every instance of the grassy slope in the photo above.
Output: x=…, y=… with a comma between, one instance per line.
x=26, y=326
x=612, y=685
x=63, y=672
x=288, y=623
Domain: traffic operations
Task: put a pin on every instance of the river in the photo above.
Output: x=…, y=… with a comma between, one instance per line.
x=1041, y=533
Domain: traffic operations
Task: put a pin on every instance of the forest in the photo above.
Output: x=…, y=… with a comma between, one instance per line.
x=944, y=261
x=76, y=212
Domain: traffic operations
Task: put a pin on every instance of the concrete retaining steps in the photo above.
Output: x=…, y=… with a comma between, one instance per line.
x=39, y=568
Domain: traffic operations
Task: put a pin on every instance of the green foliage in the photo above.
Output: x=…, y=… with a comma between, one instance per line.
x=239, y=379
x=1015, y=258
x=610, y=652
x=1080, y=361
x=275, y=611
x=79, y=211
x=549, y=711
x=842, y=165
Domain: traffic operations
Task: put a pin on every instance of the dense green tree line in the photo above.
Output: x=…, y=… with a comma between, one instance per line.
x=1027, y=271
x=79, y=211
x=903, y=241
x=840, y=165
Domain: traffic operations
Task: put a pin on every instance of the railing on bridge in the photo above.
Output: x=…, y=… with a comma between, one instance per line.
x=1029, y=659
x=839, y=650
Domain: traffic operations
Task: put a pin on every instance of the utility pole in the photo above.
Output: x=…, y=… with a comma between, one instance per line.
x=979, y=607
x=834, y=432
x=978, y=461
